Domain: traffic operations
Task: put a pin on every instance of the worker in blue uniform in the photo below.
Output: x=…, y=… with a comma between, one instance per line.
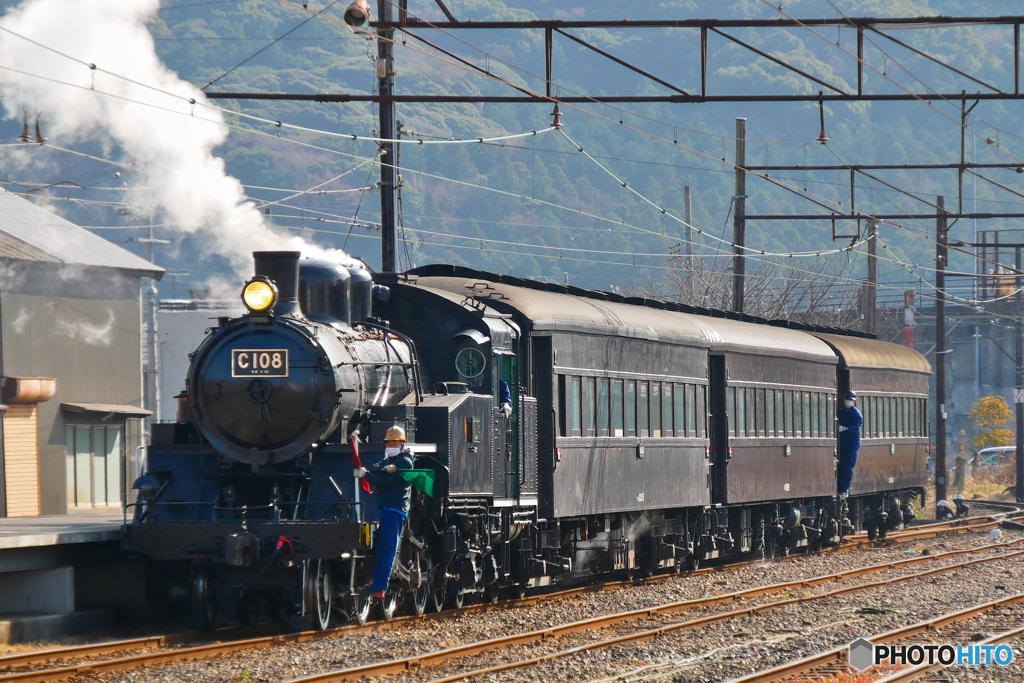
x=850, y=422
x=394, y=495
x=504, y=398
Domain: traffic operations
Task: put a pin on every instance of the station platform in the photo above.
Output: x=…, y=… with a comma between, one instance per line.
x=56, y=574
x=86, y=527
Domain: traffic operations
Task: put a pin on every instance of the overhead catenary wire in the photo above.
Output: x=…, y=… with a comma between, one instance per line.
x=279, y=124
x=479, y=140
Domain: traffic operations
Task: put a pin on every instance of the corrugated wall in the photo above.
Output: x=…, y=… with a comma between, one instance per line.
x=81, y=327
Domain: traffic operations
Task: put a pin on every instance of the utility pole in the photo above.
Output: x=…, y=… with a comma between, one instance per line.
x=941, y=254
x=151, y=389
x=870, y=300
x=739, y=225
x=1018, y=342
x=386, y=86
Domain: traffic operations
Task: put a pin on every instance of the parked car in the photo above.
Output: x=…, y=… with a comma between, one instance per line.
x=995, y=455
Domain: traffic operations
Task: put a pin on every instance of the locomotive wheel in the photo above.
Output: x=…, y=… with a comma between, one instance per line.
x=419, y=598
x=319, y=592
x=358, y=609
x=439, y=596
x=389, y=604
x=520, y=591
x=491, y=593
x=204, y=608
x=456, y=595
x=692, y=563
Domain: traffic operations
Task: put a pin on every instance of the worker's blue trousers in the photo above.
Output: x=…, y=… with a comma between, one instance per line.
x=388, y=534
x=847, y=461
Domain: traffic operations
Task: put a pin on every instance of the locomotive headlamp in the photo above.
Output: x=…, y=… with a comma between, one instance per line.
x=259, y=295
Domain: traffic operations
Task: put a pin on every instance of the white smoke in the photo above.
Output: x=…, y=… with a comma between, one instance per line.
x=21, y=320
x=90, y=333
x=172, y=140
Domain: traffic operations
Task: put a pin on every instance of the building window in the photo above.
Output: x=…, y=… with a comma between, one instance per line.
x=93, y=466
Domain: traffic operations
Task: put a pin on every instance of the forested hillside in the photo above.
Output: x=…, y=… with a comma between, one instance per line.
x=535, y=206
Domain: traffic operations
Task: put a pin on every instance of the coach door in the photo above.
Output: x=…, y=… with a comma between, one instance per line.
x=719, y=426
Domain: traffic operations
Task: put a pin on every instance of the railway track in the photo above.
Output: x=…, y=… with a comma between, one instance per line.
x=29, y=663
x=821, y=665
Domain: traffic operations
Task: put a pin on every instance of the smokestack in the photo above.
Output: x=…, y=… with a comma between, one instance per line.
x=283, y=268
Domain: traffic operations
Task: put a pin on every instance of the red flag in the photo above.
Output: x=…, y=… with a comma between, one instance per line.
x=356, y=462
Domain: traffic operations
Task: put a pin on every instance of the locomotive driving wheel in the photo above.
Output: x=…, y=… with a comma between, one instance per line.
x=438, y=591
x=204, y=607
x=389, y=603
x=419, y=598
x=319, y=593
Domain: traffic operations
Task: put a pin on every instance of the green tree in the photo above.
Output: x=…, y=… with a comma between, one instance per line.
x=989, y=415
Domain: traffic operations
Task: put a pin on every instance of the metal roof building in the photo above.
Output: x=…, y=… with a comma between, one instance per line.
x=70, y=358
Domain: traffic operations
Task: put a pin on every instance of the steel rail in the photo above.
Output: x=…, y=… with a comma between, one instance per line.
x=203, y=651
x=838, y=655
x=441, y=656
x=57, y=654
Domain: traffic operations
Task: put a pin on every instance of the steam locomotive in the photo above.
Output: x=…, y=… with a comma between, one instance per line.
x=644, y=437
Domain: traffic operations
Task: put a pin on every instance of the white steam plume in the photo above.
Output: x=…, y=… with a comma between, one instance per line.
x=183, y=176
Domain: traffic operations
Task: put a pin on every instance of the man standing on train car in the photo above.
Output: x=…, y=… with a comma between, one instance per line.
x=850, y=422
x=393, y=500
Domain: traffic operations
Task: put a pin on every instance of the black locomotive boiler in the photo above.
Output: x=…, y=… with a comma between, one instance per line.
x=644, y=436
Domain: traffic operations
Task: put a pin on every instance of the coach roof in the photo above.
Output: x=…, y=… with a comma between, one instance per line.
x=869, y=353
x=587, y=311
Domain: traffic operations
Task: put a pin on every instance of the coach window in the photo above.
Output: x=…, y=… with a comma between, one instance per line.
x=770, y=412
x=741, y=411
x=573, y=409
x=830, y=419
x=588, y=406
x=702, y=412
x=643, y=426
x=892, y=415
x=730, y=409
x=753, y=416
x=617, y=407
x=655, y=408
x=667, y=418
x=876, y=417
x=786, y=418
x=813, y=431
x=681, y=394
x=691, y=409
x=602, y=407
x=630, y=408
